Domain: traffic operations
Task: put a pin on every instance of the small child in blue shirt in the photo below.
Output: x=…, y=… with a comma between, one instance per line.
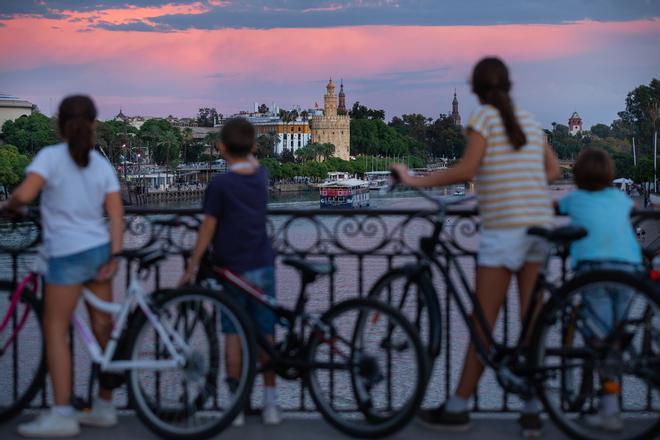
x=610, y=242
x=234, y=226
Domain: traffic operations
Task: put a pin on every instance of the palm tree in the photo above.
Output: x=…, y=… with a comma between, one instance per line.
x=187, y=135
x=326, y=150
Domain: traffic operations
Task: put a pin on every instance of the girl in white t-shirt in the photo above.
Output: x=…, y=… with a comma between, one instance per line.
x=78, y=187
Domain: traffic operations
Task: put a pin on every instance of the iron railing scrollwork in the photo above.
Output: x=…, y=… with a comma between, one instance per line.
x=363, y=244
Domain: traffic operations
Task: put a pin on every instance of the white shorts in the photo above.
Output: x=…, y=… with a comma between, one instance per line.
x=510, y=248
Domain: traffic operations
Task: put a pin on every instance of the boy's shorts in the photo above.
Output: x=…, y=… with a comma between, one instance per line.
x=263, y=317
x=510, y=248
x=602, y=305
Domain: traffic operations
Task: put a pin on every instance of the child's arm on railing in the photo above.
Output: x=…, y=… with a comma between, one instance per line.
x=204, y=237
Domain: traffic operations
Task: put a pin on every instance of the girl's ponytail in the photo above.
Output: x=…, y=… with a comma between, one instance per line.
x=490, y=81
x=76, y=118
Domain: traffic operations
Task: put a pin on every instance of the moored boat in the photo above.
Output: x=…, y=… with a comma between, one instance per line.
x=378, y=179
x=342, y=191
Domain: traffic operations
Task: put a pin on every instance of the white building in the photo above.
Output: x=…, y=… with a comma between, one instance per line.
x=12, y=108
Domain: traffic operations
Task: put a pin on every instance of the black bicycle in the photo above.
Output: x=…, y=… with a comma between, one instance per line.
x=565, y=362
x=362, y=361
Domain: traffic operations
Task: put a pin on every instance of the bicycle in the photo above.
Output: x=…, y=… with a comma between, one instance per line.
x=559, y=364
x=346, y=358
x=166, y=346
x=22, y=350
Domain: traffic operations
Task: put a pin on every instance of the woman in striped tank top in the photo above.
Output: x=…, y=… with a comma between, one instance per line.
x=511, y=163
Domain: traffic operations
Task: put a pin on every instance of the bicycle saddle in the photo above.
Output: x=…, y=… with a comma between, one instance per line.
x=309, y=269
x=562, y=234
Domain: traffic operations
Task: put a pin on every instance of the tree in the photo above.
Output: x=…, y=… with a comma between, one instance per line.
x=167, y=150
x=111, y=136
x=326, y=150
x=263, y=108
x=308, y=152
x=162, y=140
x=620, y=129
x=413, y=125
x=30, y=133
x=642, y=112
x=12, y=166
x=375, y=137
x=362, y=112
x=287, y=156
x=643, y=172
x=444, y=138
x=600, y=130
x=272, y=166
x=266, y=145
x=207, y=116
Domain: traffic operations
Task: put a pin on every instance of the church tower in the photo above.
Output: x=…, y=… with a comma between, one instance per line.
x=333, y=127
x=330, y=100
x=341, y=109
x=455, y=115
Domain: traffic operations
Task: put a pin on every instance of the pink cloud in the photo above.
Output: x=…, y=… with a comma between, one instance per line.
x=197, y=61
x=298, y=53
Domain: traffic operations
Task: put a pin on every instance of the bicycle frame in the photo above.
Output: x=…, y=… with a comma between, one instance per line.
x=430, y=254
x=291, y=316
x=31, y=279
x=135, y=295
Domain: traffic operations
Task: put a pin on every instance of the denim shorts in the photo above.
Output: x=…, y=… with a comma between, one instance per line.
x=604, y=306
x=77, y=268
x=263, y=317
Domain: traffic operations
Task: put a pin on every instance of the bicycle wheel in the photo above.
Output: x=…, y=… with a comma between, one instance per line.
x=623, y=350
x=366, y=368
x=410, y=290
x=577, y=384
x=193, y=401
x=22, y=353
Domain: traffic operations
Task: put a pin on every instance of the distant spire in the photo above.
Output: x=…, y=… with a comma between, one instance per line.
x=341, y=109
x=455, y=115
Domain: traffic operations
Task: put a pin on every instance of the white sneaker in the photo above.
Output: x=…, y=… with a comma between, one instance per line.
x=606, y=423
x=50, y=425
x=100, y=416
x=239, y=421
x=271, y=415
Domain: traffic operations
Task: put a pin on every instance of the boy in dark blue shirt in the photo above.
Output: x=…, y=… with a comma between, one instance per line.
x=235, y=225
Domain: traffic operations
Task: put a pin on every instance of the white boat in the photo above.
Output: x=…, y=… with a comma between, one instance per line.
x=340, y=190
x=378, y=179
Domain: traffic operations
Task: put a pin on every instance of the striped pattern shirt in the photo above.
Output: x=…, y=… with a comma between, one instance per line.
x=512, y=189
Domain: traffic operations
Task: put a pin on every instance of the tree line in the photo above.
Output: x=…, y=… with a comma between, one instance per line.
x=413, y=136
x=639, y=120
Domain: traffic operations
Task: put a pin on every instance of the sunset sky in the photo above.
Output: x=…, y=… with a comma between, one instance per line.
x=157, y=58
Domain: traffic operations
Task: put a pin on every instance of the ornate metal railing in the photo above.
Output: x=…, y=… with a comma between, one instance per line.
x=363, y=244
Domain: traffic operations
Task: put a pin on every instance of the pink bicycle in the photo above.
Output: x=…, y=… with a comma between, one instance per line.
x=22, y=349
